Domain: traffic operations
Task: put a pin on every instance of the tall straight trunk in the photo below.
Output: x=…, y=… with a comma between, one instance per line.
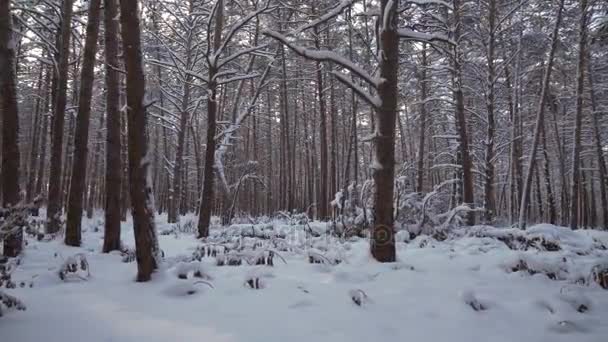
x=512, y=82
x=38, y=114
x=94, y=182
x=44, y=133
x=423, y=119
x=10, y=125
x=578, y=119
x=383, y=231
x=322, y=207
x=207, y=198
x=540, y=116
x=53, y=212
x=597, y=137
x=489, y=191
x=175, y=190
x=466, y=162
x=559, y=146
x=73, y=232
x=113, y=172
x=140, y=182
x=547, y=175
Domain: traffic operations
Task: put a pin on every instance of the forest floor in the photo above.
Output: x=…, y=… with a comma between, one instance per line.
x=472, y=287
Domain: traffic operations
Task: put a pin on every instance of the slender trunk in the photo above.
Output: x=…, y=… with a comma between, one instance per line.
x=597, y=137
x=10, y=126
x=489, y=191
x=73, y=232
x=140, y=182
x=423, y=96
x=383, y=232
x=540, y=116
x=207, y=198
x=466, y=162
x=53, y=213
x=582, y=55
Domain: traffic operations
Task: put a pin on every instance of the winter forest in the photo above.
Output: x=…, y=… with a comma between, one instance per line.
x=334, y=170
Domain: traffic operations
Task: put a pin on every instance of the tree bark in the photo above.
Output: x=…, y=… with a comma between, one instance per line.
x=10, y=125
x=113, y=172
x=580, y=89
x=53, y=213
x=73, y=231
x=383, y=231
x=140, y=182
x=208, y=191
x=540, y=116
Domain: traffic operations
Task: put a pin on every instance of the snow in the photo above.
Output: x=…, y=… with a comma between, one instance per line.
x=457, y=290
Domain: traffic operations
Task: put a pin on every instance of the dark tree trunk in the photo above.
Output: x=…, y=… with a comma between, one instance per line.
x=207, y=199
x=73, y=231
x=140, y=187
x=383, y=232
x=10, y=126
x=575, y=185
x=113, y=173
x=53, y=213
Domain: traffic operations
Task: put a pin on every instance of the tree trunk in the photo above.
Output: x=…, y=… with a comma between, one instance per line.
x=53, y=213
x=207, y=198
x=466, y=162
x=489, y=191
x=10, y=126
x=540, y=116
x=113, y=172
x=580, y=89
x=383, y=231
x=140, y=187
x=597, y=137
x=73, y=231
x=423, y=96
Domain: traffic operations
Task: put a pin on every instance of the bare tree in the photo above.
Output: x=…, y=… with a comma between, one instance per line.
x=140, y=182
x=113, y=174
x=73, y=230
x=10, y=126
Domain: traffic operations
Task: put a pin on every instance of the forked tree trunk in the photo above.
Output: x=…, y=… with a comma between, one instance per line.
x=53, y=212
x=73, y=231
x=140, y=182
x=113, y=174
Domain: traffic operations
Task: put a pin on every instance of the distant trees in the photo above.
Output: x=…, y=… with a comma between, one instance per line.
x=479, y=103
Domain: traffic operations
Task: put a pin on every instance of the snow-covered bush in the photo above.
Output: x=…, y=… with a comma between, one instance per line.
x=600, y=275
x=75, y=266
x=358, y=296
x=186, y=270
x=10, y=302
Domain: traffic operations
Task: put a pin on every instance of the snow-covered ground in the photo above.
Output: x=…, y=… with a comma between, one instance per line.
x=462, y=289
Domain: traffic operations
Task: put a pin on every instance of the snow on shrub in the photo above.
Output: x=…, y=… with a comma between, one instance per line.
x=75, y=266
x=599, y=274
x=358, y=296
x=186, y=270
x=468, y=296
x=209, y=250
x=9, y=302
